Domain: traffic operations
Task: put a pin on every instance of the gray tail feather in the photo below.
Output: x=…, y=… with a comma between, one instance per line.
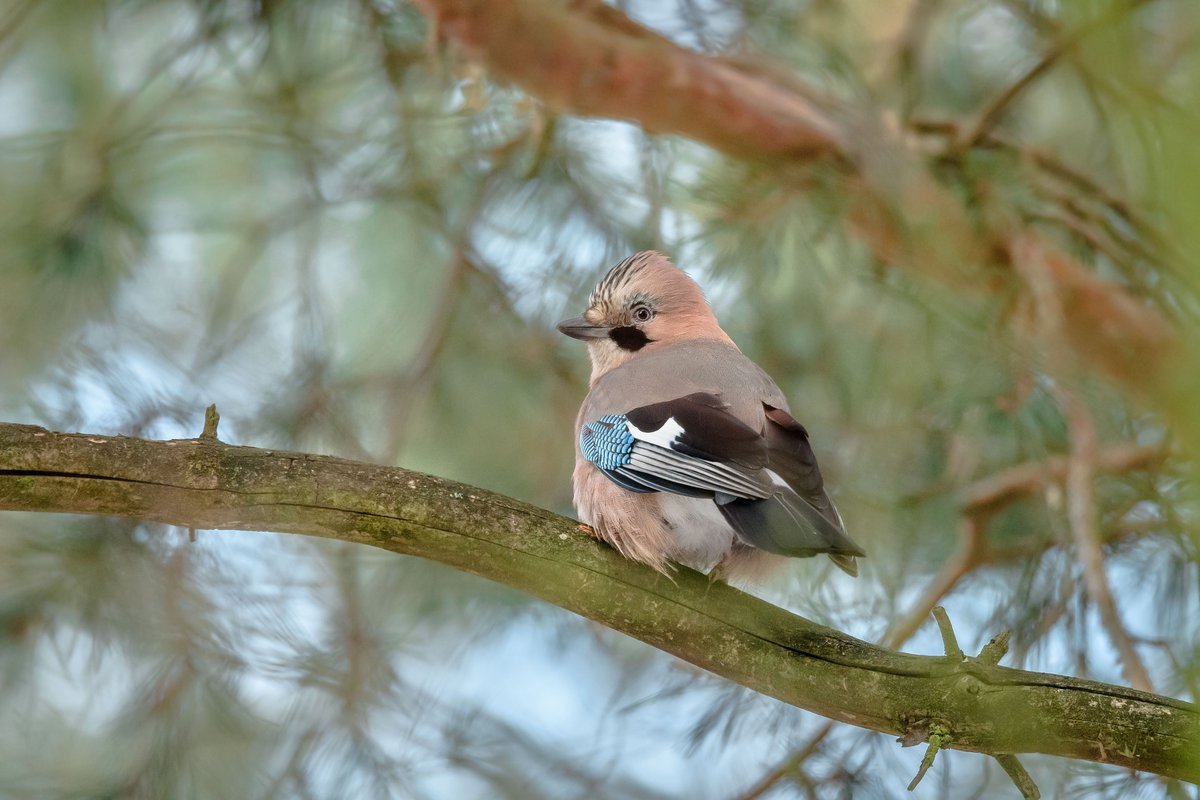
x=788, y=525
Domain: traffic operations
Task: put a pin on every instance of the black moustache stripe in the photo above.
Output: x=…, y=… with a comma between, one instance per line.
x=629, y=338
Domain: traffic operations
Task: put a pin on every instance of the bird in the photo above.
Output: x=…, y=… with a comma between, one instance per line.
x=685, y=449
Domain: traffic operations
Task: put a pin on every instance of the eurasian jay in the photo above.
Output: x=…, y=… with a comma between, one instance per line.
x=685, y=450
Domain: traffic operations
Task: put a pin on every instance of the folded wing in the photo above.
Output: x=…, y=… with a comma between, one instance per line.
x=766, y=484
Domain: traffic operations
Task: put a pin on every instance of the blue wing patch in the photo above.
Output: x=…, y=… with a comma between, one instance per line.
x=636, y=461
x=607, y=442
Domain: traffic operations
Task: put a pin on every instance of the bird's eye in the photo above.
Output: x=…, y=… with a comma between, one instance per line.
x=642, y=313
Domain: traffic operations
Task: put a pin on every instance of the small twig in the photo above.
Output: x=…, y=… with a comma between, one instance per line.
x=789, y=766
x=1081, y=518
x=1081, y=467
x=996, y=649
x=1031, y=477
x=545, y=141
x=949, y=640
x=1020, y=776
x=211, y=420
x=968, y=556
x=994, y=110
x=908, y=51
x=937, y=737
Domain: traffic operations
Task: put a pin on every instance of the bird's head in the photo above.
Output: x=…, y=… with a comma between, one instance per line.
x=643, y=302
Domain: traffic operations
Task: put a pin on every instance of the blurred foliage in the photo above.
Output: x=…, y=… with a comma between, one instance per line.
x=332, y=224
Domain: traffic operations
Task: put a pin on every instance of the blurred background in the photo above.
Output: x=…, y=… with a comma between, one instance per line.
x=331, y=221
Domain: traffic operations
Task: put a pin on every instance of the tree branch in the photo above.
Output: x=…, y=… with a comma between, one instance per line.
x=1050, y=316
x=1081, y=517
x=965, y=559
x=598, y=62
x=984, y=708
x=1101, y=323
x=983, y=498
x=993, y=111
x=989, y=494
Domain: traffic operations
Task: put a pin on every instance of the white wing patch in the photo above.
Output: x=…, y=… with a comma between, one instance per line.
x=663, y=437
x=653, y=455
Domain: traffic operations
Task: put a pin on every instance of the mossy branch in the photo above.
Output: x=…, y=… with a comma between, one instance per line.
x=981, y=707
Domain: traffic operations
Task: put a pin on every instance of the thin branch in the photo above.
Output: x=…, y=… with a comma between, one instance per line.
x=996, y=648
x=949, y=639
x=993, y=111
x=1020, y=776
x=1081, y=516
x=965, y=559
x=938, y=737
x=596, y=61
x=1081, y=466
x=989, y=494
x=909, y=44
x=207, y=484
x=789, y=766
x=980, y=500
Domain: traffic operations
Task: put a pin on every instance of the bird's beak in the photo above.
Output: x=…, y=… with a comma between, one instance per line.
x=580, y=328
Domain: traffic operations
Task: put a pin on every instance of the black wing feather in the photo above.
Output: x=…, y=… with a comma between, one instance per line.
x=710, y=432
x=791, y=457
x=628, y=483
x=655, y=483
x=800, y=519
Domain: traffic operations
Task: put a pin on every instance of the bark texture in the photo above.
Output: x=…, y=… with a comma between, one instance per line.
x=205, y=483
